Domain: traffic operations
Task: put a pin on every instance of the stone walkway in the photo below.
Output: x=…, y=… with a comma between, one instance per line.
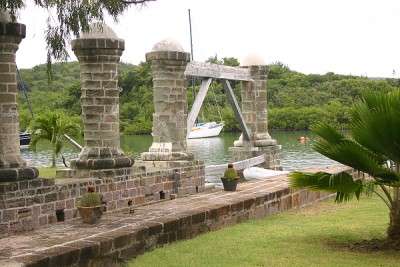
x=125, y=234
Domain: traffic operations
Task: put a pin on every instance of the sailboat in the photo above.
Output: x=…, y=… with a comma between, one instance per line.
x=202, y=129
x=206, y=129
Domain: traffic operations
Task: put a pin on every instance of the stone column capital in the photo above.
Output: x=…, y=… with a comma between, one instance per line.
x=258, y=71
x=98, y=49
x=98, y=43
x=168, y=55
x=13, y=29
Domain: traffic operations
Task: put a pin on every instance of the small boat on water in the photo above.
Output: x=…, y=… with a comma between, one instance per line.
x=24, y=139
x=206, y=129
x=256, y=173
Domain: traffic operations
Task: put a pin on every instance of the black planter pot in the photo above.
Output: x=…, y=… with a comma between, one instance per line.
x=230, y=184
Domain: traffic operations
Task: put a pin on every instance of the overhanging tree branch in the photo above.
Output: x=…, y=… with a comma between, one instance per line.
x=67, y=19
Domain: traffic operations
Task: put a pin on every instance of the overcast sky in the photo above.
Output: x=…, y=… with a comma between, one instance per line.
x=359, y=37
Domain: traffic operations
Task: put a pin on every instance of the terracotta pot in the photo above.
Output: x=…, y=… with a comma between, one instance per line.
x=91, y=215
x=230, y=184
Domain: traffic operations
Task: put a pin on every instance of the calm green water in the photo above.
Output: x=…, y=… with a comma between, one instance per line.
x=295, y=155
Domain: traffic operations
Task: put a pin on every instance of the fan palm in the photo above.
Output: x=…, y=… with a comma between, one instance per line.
x=373, y=143
x=50, y=126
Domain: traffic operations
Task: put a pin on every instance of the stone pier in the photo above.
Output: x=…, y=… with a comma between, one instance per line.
x=12, y=167
x=254, y=110
x=98, y=53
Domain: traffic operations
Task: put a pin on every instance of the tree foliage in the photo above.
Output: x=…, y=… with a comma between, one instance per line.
x=295, y=100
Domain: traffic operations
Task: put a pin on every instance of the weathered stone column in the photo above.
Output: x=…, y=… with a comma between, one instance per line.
x=98, y=53
x=12, y=166
x=168, y=62
x=254, y=106
x=254, y=110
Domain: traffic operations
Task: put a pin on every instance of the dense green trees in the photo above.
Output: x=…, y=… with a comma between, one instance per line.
x=136, y=100
x=295, y=100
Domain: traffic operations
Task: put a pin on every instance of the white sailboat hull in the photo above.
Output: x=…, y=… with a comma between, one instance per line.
x=256, y=173
x=207, y=129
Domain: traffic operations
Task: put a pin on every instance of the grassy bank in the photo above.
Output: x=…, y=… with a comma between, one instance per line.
x=48, y=172
x=324, y=234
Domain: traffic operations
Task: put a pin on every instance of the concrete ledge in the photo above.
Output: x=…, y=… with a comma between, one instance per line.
x=124, y=235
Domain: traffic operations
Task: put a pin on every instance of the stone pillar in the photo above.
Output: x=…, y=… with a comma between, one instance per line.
x=254, y=106
x=254, y=110
x=98, y=52
x=12, y=166
x=168, y=62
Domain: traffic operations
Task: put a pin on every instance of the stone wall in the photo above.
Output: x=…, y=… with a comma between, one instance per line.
x=27, y=205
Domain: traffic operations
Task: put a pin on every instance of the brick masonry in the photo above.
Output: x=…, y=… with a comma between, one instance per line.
x=28, y=205
x=12, y=166
x=98, y=53
x=254, y=109
x=123, y=235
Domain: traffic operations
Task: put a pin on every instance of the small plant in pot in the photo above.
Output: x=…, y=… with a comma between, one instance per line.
x=90, y=207
x=230, y=179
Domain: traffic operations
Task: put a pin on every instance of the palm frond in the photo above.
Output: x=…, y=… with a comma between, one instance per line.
x=327, y=133
x=349, y=152
x=50, y=126
x=342, y=183
x=374, y=123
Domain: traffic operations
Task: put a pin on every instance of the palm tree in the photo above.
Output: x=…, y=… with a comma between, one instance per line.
x=50, y=126
x=372, y=147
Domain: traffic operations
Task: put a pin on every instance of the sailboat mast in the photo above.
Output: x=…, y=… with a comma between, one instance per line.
x=191, y=51
x=25, y=93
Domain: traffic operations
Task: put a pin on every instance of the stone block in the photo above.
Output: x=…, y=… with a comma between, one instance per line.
x=48, y=208
x=6, y=187
x=51, y=197
x=133, y=192
x=70, y=204
x=9, y=215
x=15, y=203
x=43, y=220
x=24, y=212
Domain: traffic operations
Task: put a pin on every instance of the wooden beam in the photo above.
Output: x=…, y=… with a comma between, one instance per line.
x=232, y=100
x=239, y=165
x=201, y=69
x=194, y=112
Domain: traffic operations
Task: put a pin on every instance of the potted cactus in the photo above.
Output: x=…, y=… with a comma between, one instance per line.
x=230, y=178
x=90, y=207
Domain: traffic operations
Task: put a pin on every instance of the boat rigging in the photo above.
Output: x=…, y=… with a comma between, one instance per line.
x=204, y=129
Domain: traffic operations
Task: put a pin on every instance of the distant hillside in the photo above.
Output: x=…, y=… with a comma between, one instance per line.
x=295, y=100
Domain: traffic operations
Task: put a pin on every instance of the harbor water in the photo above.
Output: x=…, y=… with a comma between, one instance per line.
x=295, y=155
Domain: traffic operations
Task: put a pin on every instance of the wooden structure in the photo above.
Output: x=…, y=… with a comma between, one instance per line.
x=252, y=118
x=209, y=71
x=240, y=165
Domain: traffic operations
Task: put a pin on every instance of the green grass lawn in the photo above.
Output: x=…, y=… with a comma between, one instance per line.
x=48, y=172
x=324, y=234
